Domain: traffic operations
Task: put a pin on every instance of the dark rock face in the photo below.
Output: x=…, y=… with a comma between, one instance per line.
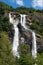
x=25, y=34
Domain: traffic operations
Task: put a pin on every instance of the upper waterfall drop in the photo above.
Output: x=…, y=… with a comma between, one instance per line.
x=16, y=36
x=23, y=20
x=10, y=18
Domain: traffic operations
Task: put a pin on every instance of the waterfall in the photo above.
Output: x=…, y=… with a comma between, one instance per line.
x=16, y=36
x=10, y=18
x=34, y=48
x=16, y=41
x=23, y=20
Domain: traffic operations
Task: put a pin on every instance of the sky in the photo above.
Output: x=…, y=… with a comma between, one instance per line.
x=37, y=4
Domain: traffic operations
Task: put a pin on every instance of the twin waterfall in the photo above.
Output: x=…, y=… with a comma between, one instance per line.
x=16, y=36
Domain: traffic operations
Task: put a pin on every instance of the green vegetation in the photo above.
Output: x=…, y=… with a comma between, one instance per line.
x=40, y=59
x=5, y=25
x=24, y=49
x=6, y=57
x=4, y=7
x=24, y=10
x=37, y=27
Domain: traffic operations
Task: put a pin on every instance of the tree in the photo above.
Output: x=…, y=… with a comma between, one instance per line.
x=40, y=59
x=6, y=57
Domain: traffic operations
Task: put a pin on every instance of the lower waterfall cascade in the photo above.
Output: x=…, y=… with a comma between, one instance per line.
x=16, y=36
x=16, y=42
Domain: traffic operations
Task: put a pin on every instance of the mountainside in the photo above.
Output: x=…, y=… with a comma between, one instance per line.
x=34, y=21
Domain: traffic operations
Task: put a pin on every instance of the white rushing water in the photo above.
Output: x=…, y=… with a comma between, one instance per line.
x=34, y=47
x=16, y=36
x=23, y=21
x=16, y=41
x=10, y=18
